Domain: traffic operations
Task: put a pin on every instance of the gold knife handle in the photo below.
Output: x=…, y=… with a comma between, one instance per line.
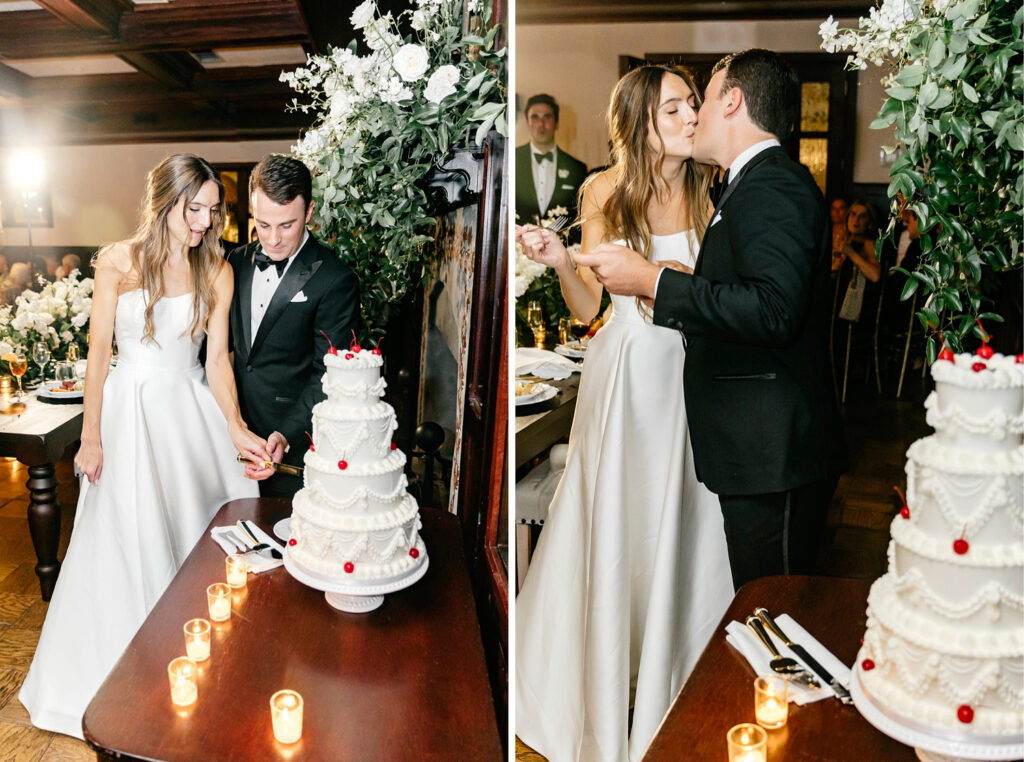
x=762, y=614
x=282, y=467
x=755, y=626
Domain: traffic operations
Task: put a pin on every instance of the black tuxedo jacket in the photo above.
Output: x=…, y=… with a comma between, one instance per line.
x=278, y=371
x=566, y=188
x=755, y=314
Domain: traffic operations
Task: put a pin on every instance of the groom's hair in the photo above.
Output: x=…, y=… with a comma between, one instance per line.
x=770, y=88
x=544, y=98
x=283, y=179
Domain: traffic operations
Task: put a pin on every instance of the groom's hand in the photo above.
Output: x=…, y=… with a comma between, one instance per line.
x=621, y=270
x=276, y=447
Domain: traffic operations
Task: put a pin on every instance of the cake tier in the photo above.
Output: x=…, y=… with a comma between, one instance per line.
x=956, y=494
x=355, y=553
x=976, y=420
x=926, y=672
x=370, y=487
x=353, y=377
x=356, y=435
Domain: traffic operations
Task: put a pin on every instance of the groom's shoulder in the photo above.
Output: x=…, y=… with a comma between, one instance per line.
x=780, y=172
x=331, y=265
x=239, y=253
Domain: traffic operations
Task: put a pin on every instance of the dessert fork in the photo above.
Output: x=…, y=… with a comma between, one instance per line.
x=779, y=663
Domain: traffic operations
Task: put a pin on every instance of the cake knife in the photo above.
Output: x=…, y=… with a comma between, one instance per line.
x=840, y=690
x=284, y=468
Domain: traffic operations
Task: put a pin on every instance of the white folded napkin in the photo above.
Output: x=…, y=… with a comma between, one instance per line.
x=744, y=641
x=531, y=361
x=256, y=562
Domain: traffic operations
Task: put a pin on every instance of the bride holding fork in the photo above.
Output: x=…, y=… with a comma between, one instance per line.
x=631, y=574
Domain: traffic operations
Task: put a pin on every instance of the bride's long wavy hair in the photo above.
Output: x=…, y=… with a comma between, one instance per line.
x=178, y=176
x=637, y=167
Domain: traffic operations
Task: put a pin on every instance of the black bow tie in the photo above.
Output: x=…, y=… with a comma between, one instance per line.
x=718, y=188
x=542, y=157
x=263, y=262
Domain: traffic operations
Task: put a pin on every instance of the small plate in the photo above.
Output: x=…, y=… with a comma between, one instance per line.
x=48, y=390
x=540, y=393
x=574, y=350
x=283, y=529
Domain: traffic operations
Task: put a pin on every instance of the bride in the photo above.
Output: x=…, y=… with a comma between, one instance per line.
x=158, y=444
x=631, y=573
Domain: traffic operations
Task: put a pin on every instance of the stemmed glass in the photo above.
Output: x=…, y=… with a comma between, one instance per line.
x=41, y=356
x=535, y=319
x=18, y=365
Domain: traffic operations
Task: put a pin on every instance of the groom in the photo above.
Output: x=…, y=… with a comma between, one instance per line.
x=754, y=312
x=289, y=291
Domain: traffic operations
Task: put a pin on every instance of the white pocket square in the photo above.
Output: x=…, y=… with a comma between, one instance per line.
x=718, y=216
x=568, y=187
x=299, y=297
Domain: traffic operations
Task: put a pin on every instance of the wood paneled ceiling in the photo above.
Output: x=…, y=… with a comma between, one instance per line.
x=603, y=11
x=105, y=71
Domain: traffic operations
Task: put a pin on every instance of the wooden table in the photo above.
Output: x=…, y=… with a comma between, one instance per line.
x=542, y=425
x=405, y=682
x=720, y=692
x=37, y=433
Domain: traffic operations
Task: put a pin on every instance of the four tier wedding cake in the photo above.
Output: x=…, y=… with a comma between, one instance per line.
x=353, y=520
x=944, y=649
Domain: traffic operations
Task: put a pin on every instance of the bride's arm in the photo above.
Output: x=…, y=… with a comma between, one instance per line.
x=221, y=377
x=111, y=265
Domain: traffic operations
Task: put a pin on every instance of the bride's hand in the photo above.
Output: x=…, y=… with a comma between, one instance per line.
x=248, y=444
x=674, y=264
x=542, y=246
x=90, y=459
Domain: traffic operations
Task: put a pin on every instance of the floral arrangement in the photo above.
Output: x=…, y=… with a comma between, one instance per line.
x=384, y=120
x=956, y=100
x=57, y=314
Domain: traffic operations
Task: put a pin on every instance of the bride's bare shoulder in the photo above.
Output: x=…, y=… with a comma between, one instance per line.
x=598, y=189
x=114, y=262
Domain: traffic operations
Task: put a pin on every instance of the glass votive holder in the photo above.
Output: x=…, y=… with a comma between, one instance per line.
x=747, y=743
x=197, y=639
x=237, y=569
x=286, y=716
x=183, y=674
x=218, y=598
x=771, y=701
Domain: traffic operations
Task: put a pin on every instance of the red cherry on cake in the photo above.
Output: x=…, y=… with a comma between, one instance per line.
x=375, y=351
x=947, y=354
x=332, y=351
x=293, y=542
x=349, y=355
x=342, y=464
x=394, y=446
x=312, y=448
x=349, y=567
x=867, y=665
x=356, y=348
x=1019, y=359
x=414, y=553
x=964, y=713
x=985, y=351
x=905, y=512
x=978, y=367
x=960, y=547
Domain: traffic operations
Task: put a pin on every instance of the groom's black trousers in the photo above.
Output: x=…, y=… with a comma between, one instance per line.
x=777, y=533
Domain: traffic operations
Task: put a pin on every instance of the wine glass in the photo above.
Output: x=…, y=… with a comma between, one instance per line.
x=18, y=366
x=579, y=328
x=41, y=356
x=563, y=330
x=535, y=319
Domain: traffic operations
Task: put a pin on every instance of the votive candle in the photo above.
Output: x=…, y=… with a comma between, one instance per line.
x=236, y=570
x=747, y=743
x=184, y=688
x=771, y=701
x=197, y=639
x=218, y=597
x=286, y=716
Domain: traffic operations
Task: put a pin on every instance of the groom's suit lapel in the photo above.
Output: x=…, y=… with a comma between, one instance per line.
x=245, y=273
x=306, y=263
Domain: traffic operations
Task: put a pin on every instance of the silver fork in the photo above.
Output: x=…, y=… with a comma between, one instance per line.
x=558, y=224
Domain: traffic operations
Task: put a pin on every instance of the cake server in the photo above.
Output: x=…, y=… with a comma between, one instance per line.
x=840, y=690
x=779, y=663
x=256, y=544
x=284, y=468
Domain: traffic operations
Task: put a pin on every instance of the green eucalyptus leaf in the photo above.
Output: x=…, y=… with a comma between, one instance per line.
x=969, y=92
x=901, y=93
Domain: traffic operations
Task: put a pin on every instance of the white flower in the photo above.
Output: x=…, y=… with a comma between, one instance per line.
x=67, y=337
x=363, y=14
x=441, y=83
x=828, y=30
x=80, y=319
x=411, y=62
x=420, y=20
x=5, y=348
x=378, y=34
x=447, y=75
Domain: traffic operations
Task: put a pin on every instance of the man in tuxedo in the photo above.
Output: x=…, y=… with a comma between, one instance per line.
x=546, y=176
x=754, y=312
x=289, y=291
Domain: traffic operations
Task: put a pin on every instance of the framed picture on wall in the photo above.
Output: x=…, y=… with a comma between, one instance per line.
x=19, y=210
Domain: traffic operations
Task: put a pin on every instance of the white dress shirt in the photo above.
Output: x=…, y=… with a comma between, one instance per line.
x=543, y=176
x=264, y=284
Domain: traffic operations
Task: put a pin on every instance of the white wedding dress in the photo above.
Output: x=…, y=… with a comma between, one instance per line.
x=168, y=466
x=631, y=572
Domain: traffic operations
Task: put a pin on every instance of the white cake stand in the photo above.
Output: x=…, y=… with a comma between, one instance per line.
x=357, y=596
x=928, y=746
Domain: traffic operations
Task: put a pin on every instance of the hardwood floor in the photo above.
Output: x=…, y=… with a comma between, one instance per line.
x=878, y=432
x=21, y=616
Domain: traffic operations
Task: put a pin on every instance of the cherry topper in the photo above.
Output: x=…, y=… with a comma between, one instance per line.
x=333, y=349
x=984, y=351
x=965, y=714
x=342, y=464
x=978, y=367
x=867, y=665
x=904, y=511
x=354, y=346
x=947, y=355
x=349, y=567
x=312, y=448
x=960, y=545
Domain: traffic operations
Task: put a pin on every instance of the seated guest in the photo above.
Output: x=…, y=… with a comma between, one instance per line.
x=69, y=263
x=548, y=177
x=838, y=210
x=18, y=279
x=3, y=266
